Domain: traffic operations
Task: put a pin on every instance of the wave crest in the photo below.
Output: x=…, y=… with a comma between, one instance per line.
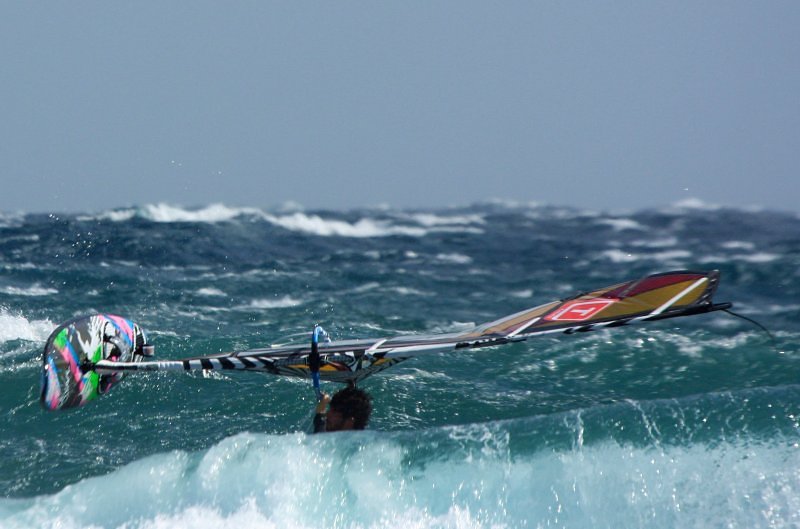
x=16, y=327
x=294, y=219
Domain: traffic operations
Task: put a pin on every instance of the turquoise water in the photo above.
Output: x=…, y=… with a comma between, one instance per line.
x=690, y=422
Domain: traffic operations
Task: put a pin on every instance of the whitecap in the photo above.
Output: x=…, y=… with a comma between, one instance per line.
x=695, y=203
x=619, y=256
x=714, y=259
x=406, y=291
x=621, y=224
x=15, y=327
x=773, y=308
x=275, y=303
x=114, y=215
x=31, y=291
x=20, y=266
x=210, y=214
x=453, y=326
x=475, y=478
x=558, y=213
x=670, y=255
x=656, y=243
x=11, y=220
x=366, y=287
x=363, y=228
x=209, y=291
x=454, y=258
x=508, y=204
x=738, y=245
x=757, y=258
x=167, y=213
x=430, y=220
x=471, y=230
x=23, y=238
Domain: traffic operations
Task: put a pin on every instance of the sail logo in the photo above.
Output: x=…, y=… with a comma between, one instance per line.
x=580, y=310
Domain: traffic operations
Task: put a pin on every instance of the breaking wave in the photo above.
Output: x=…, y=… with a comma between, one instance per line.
x=17, y=327
x=320, y=224
x=497, y=474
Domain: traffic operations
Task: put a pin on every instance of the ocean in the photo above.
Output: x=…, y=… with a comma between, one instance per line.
x=690, y=422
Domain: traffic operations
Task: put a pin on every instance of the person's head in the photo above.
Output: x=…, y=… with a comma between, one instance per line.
x=349, y=410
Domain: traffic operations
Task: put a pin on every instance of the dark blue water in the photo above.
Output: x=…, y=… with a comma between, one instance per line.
x=690, y=422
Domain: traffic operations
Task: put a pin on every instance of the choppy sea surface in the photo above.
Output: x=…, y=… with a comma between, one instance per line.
x=691, y=422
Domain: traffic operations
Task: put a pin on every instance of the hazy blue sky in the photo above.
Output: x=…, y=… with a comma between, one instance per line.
x=609, y=105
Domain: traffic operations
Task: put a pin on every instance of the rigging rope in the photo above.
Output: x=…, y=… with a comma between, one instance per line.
x=754, y=322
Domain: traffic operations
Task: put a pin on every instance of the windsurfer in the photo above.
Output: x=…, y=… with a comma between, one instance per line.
x=349, y=409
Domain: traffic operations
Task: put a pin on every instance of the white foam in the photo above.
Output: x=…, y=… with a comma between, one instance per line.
x=114, y=215
x=373, y=481
x=431, y=220
x=457, y=229
x=366, y=287
x=210, y=291
x=425, y=223
x=11, y=220
x=510, y=204
x=656, y=243
x=713, y=259
x=16, y=327
x=250, y=516
x=695, y=348
x=21, y=266
x=365, y=227
x=453, y=326
x=695, y=203
x=757, y=258
x=406, y=291
x=33, y=237
x=167, y=213
x=454, y=258
x=620, y=256
x=35, y=290
x=772, y=308
x=212, y=213
x=621, y=224
x=293, y=217
x=275, y=303
x=738, y=245
x=671, y=255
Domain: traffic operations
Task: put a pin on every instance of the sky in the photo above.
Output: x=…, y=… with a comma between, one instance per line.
x=346, y=105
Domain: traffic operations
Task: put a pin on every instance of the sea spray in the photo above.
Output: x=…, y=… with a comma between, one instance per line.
x=659, y=469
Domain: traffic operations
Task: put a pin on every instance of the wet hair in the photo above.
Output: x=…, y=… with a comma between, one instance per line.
x=355, y=403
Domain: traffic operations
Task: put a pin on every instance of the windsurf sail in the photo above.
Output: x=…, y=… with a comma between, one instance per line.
x=68, y=377
x=655, y=297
